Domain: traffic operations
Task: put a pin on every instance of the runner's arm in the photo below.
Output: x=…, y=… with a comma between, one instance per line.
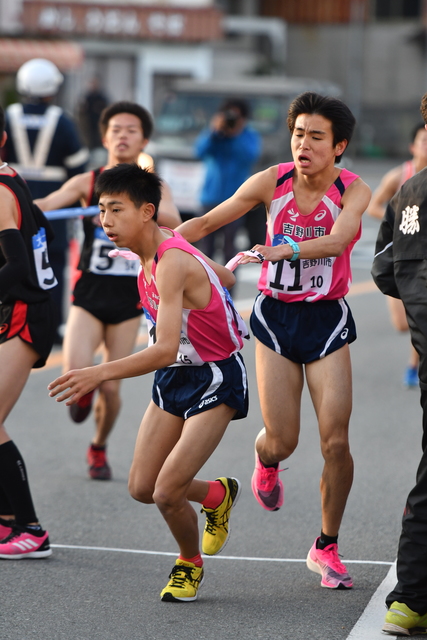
x=258, y=188
x=383, y=265
x=384, y=193
x=17, y=265
x=168, y=215
x=8, y=209
x=354, y=203
x=72, y=191
x=226, y=277
x=75, y=383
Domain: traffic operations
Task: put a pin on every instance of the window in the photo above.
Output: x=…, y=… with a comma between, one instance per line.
x=398, y=8
x=183, y=113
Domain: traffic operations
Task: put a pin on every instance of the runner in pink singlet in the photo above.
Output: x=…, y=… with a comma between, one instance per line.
x=200, y=381
x=301, y=321
x=310, y=280
x=207, y=334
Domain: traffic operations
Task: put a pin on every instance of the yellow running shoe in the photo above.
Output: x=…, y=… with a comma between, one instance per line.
x=184, y=583
x=400, y=620
x=217, y=527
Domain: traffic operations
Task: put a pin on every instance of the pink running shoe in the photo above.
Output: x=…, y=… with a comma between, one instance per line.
x=266, y=484
x=22, y=544
x=5, y=528
x=327, y=563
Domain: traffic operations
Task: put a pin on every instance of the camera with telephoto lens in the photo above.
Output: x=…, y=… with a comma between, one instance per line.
x=230, y=118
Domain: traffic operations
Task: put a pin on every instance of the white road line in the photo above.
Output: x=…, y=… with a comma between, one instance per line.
x=369, y=624
x=372, y=619
x=222, y=557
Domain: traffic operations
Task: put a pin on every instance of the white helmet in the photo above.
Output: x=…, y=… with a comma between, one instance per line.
x=38, y=78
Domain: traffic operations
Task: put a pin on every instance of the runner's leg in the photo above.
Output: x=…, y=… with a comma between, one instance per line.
x=330, y=384
x=168, y=455
x=17, y=358
x=119, y=343
x=280, y=382
x=83, y=335
x=175, y=485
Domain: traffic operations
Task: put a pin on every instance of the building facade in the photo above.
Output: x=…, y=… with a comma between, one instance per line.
x=375, y=50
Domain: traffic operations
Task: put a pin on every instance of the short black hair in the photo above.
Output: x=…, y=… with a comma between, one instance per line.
x=126, y=107
x=423, y=107
x=140, y=185
x=333, y=109
x=236, y=103
x=2, y=121
x=420, y=126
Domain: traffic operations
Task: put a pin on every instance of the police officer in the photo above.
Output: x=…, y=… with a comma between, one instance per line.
x=44, y=147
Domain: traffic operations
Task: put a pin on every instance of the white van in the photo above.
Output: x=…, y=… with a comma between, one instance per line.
x=188, y=108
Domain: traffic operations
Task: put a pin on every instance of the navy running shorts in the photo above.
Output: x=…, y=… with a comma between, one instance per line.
x=186, y=391
x=302, y=331
x=34, y=323
x=111, y=299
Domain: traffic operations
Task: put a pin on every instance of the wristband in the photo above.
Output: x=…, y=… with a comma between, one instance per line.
x=294, y=246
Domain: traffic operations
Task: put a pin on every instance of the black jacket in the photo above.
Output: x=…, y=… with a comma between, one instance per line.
x=402, y=235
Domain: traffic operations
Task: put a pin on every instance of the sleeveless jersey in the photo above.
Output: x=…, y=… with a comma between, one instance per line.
x=96, y=245
x=207, y=335
x=305, y=280
x=36, y=233
x=408, y=170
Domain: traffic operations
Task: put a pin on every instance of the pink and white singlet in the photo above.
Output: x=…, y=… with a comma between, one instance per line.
x=207, y=335
x=305, y=280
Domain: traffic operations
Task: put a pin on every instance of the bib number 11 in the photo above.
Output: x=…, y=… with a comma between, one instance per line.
x=277, y=282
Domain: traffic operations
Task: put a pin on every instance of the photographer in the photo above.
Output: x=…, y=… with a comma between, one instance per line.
x=229, y=148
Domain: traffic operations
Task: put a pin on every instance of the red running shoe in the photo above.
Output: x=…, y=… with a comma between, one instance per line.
x=99, y=469
x=80, y=411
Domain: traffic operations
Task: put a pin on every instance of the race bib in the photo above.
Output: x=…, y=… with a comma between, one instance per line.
x=240, y=323
x=151, y=327
x=101, y=263
x=186, y=354
x=45, y=276
x=300, y=276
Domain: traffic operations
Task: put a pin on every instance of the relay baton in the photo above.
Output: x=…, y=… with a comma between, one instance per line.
x=72, y=212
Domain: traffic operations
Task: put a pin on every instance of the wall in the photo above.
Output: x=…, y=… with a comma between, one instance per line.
x=384, y=89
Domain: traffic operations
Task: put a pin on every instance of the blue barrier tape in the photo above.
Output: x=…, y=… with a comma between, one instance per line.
x=73, y=212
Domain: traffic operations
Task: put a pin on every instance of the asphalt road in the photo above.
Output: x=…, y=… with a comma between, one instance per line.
x=112, y=555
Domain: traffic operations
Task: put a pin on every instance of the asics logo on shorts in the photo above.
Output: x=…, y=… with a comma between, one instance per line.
x=4, y=328
x=207, y=401
x=344, y=334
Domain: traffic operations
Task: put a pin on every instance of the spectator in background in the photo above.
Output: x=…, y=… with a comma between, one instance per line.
x=90, y=109
x=229, y=149
x=44, y=147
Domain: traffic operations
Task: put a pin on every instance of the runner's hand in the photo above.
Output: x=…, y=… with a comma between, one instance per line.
x=74, y=384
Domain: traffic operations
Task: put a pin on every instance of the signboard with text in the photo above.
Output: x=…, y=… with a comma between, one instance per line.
x=122, y=21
